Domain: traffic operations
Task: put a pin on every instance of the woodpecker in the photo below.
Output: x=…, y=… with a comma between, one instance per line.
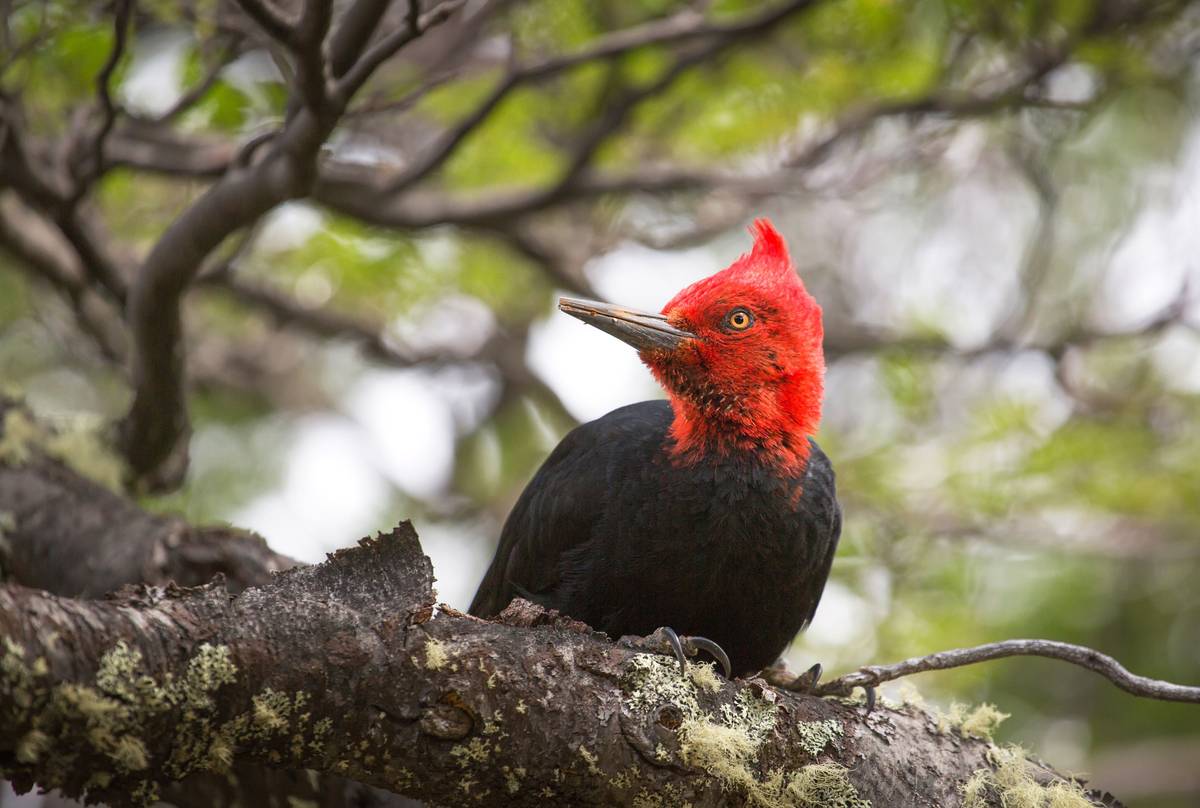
x=712, y=514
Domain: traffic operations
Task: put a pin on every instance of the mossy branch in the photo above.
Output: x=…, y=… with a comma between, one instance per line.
x=347, y=668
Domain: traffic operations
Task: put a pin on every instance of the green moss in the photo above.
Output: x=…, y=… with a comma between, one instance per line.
x=1009, y=783
x=81, y=445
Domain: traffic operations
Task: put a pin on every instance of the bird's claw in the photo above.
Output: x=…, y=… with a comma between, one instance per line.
x=690, y=646
x=807, y=681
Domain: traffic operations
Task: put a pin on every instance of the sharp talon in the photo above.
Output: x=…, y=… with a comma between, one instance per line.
x=870, y=699
x=718, y=653
x=677, y=647
x=807, y=681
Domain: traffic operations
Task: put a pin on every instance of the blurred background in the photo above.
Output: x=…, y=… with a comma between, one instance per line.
x=997, y=206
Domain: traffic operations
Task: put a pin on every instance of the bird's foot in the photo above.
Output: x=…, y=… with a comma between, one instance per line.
x=779, y=676
x=684, y=647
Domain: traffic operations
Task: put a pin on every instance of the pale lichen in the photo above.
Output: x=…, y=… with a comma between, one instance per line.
x=726, y=744
x=436, y=656
x=1010, y=783
x=513, y=775
x=590, y=759
x=476, y=750
x=76, y=442
x=822, y=785
x=980, y=722
x=816, y=735
x=32, y=746
x=114, y=713
x=704, y=676
x=651, y=680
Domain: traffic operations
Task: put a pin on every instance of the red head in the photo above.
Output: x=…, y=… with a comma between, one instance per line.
x=739, y=353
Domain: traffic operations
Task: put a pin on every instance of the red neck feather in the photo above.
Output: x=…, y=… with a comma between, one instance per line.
x=758, y=391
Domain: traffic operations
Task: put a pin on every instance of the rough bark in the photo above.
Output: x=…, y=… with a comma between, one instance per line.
x=347, y=668
x=69, y=535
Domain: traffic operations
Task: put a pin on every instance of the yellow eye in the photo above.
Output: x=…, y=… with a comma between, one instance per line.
x=739, y=319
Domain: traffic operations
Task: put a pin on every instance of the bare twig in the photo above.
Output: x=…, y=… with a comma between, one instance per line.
x=319, y=322
x=277, y=26
x=196, y=93
x=1106, y=666
x=369, y=62
x=92, y=169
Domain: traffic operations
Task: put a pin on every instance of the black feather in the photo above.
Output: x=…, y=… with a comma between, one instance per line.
x=611, y=532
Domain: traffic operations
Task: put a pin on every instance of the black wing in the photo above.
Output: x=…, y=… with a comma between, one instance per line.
x=823, y=513
x=563, y=503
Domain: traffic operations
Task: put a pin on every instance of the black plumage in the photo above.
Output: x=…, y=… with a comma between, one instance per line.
x=614, y=531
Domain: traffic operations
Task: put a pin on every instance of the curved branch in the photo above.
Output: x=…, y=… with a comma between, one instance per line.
x=1106, y=666
x=92, y=169
x=154, y=433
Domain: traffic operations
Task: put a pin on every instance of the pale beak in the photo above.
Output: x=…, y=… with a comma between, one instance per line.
x=641, y=329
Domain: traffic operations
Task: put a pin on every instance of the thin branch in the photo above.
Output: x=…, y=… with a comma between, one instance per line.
x=309, y=53
x=108, y=108
x=196, y=93
x=319, y=322
x=29, y=240
x=1106, y=666
x=270, y=20
x=390, y=45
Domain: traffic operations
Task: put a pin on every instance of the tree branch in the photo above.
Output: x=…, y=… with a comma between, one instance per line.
x=92, y=169
x=355, y=77
x=347, y=667
x=270, y=20
x=196, y=93
x=71, y=536
x=1106, y=666
x=155, y=431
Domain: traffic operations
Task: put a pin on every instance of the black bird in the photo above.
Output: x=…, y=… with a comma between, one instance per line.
x=713, y=513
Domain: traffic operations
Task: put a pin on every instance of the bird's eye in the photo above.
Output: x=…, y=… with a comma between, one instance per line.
x=739, y=320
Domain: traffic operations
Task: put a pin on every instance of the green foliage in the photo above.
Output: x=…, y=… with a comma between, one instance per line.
x=967, y=519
